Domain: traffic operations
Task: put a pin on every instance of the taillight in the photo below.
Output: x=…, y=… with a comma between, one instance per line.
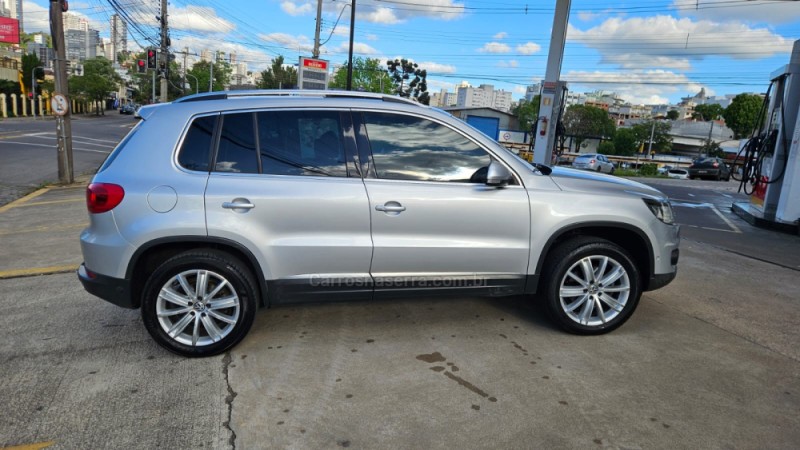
x=103, y=197
x=591, y=162
x=715, y=165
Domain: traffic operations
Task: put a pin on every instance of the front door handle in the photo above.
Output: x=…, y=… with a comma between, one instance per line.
x=238, y=203
x=390, y=207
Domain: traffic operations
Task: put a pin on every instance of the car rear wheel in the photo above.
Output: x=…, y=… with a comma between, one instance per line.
x=199, y=303
x=592, y=285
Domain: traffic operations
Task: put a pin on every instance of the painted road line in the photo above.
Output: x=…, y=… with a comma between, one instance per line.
x=23, y=200
x=54, y=202
x=79, y=140
x=37, y=446
x=726, y=220
x=35, y=271
x=42, y=229
x=51, y=146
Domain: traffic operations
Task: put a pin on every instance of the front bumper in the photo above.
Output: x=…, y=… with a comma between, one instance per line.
x=110, y=289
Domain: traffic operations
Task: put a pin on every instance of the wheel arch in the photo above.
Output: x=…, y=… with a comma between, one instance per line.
x=150, y=255
x=629, y=237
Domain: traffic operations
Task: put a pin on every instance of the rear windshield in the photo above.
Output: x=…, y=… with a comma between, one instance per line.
x=113, y=155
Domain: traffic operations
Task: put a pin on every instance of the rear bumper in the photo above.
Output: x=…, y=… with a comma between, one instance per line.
x=110, y=289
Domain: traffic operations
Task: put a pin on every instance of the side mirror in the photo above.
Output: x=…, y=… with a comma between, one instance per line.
x=498, y=174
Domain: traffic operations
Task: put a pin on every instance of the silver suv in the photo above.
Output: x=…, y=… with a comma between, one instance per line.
x=216, y=204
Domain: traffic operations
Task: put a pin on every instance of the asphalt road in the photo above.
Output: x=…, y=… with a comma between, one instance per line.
x=710, y=361
x=28, y=155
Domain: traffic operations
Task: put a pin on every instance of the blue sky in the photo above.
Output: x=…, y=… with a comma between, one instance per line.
x=648, y=51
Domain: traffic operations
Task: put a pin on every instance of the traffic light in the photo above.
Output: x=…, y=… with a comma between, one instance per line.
x=152, y=59
x=141, y=66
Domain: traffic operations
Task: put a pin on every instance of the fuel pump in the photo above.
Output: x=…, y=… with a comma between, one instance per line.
x=771, y=164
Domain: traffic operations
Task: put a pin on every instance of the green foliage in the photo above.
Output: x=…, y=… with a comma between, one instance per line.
x=607, y=148
x=711, y=148
x=368, y=76
x=708, y=112
x=582, y=122
x=673, y=114
x=527, y=113
x=662, y=141
x=401, y=71
x=278, y=76
x=625, y=142
x=648, y=170
x=29, y=62
x=201, y=71
x=740, y=116
x=9, y=87
x=98, y=80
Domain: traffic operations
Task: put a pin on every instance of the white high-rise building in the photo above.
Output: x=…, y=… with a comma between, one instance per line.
x=119, y=37
x=484, y=96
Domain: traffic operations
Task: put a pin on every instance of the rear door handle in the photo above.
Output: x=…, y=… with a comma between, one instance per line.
x=391, y=207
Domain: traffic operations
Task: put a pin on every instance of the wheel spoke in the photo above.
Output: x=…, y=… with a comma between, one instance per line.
x=602, y=269
x=217, y=289
x=213, y=332
x=586, y=313
x=621, y=288
x=588, y=270
x=599, y=308
x=222, y=303
x=180, y=325
x=580, y=281
x=572, y=291
x=612, y=302
x=577, y=304
x=196, y=331
x=185, y=285
x=174, y=312
x=201, y=283
x=173, y=297
x=618, y=273
x=221, y=317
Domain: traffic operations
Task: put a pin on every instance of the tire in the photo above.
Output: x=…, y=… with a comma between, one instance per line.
x=203, y=326
x=579, y=313
x=611, y=172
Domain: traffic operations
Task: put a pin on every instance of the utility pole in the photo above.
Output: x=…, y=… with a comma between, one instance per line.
x=63, y=123
x=652, y=133
x=185, y=55
x=164, y=51
x=350, y=53
x=211, y=72
x=315, y=53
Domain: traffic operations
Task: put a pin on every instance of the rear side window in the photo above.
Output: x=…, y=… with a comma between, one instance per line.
x=237, y=144
x=301, y=143
x=113, y=155
x=196, y=149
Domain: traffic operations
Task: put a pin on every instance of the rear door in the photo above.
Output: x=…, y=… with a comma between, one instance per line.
x=283, y=184
x=436, y=225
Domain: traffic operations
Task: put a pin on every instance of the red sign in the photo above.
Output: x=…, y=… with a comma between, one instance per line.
x=9, y=30
x=315, y=64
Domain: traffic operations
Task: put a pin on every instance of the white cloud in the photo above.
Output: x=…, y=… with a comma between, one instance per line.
x=529, y=48
x=199, y=18
x=372, y=37
x=376, y=12
x=495, y=47
x=637, y=86
x=508, y=64
x=35, y=18
x=433, y=67
x=500, y=35
x=255, y=59
x=669, y=42
x=297, y=43
x=359, y=48
x=521, y=90
x=587, y=16
x=296, y=9
x=437, y=85
x=770, y=12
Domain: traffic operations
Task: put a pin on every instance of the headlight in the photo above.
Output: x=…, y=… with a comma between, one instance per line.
x=661, y=209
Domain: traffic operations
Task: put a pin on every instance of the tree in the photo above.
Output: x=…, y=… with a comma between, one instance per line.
x=662, y=141
x=582, y=122
x=527, y=113
x=97, y=82
x=402, y=71
x=368, y=75
x=741, y=115
x=201, y=71
x=711, y=148
x=278, y=76
x=708, y=112
x=607, y=148
x=29, y=63
x=673, y=114
x=625, y=142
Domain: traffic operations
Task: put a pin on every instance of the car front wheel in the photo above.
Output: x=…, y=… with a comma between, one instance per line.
x=592, y=285
x=199, y=303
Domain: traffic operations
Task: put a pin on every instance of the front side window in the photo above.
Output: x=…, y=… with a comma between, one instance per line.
x=412, y=148
x=306, y=143
x=196, y=149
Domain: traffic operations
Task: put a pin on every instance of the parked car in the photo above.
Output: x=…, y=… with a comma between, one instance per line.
x=128, y=108
x=217, y=203
x=714, y=168
x=663, y=169
x=681, y=174
x=593, y=161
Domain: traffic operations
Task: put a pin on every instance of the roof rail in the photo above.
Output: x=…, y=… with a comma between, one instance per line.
x=221, y=95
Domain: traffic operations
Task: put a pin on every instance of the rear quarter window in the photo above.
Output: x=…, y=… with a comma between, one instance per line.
x=195, y=152
x=118, y=149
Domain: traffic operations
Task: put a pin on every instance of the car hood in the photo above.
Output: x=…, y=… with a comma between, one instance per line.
x=593, y=182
